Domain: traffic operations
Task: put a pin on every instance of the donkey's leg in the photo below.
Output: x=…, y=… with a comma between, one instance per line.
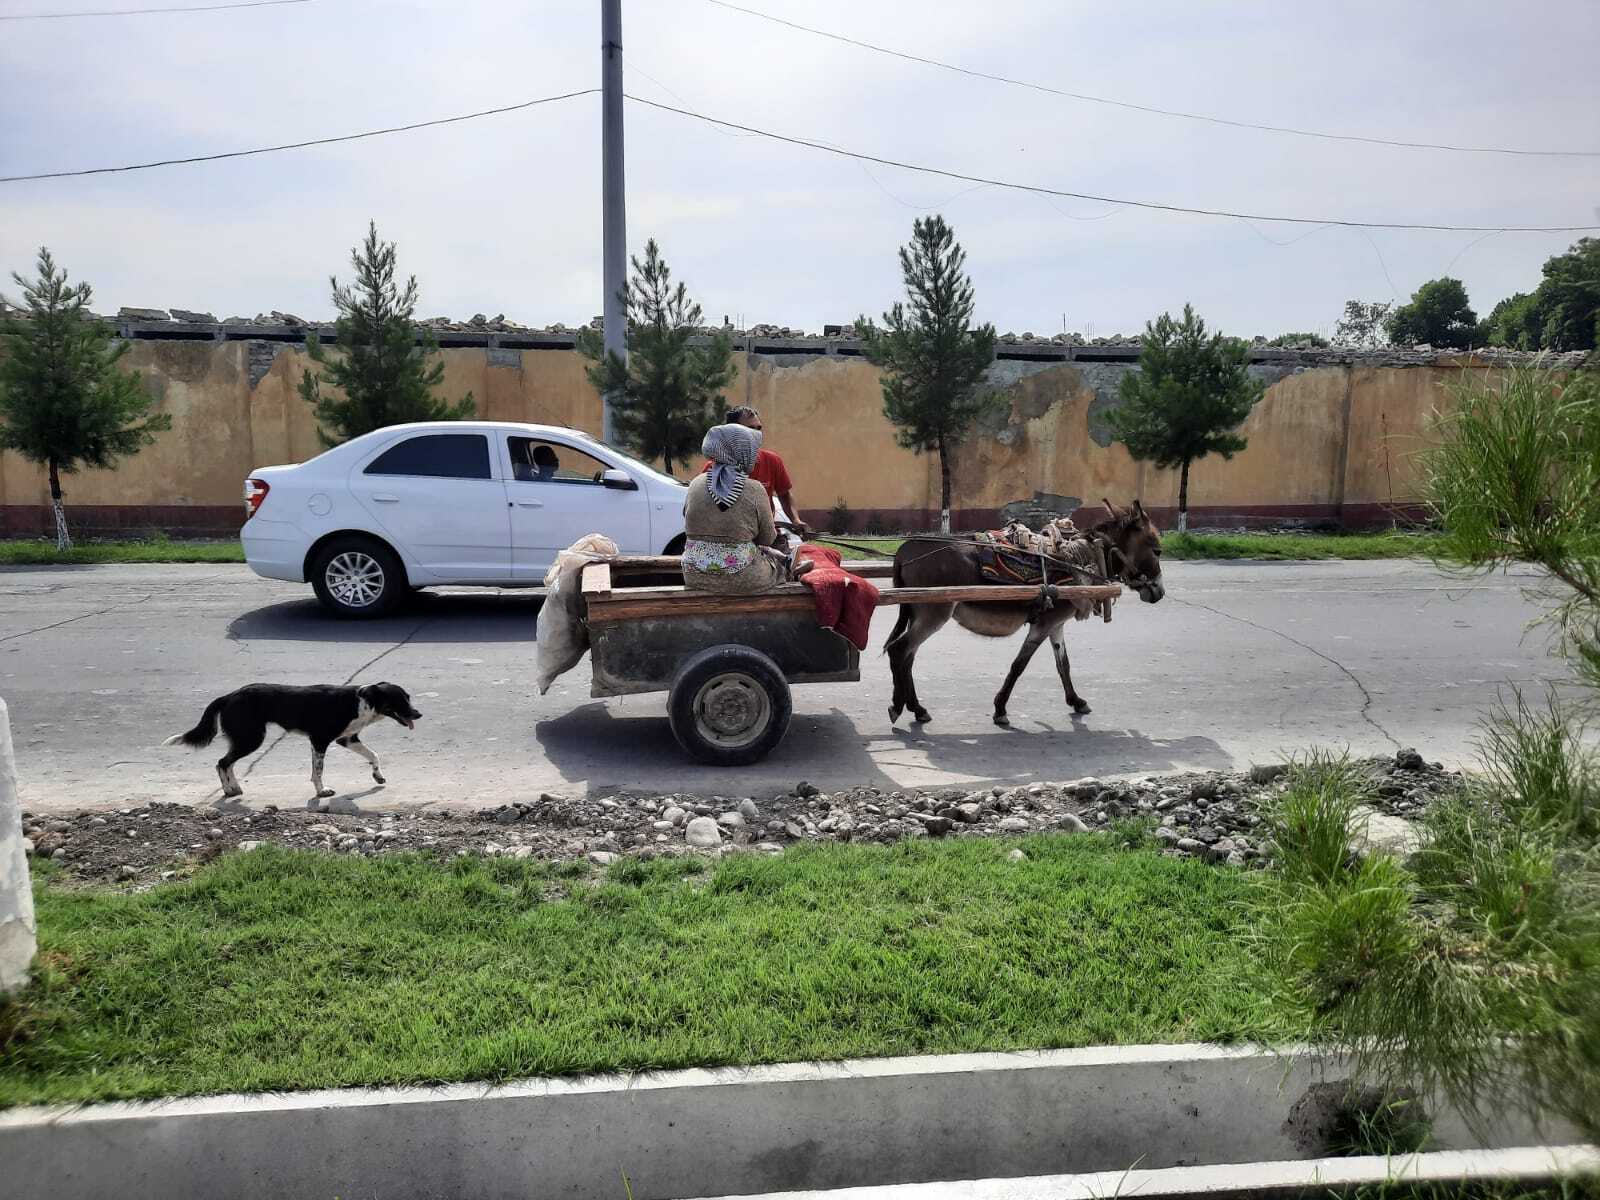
x=1036, y=636
x=926, y=621
x=1058, y=645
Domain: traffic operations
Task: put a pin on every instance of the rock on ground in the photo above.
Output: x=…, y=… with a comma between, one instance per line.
x=703, y=832
x=1213, y=816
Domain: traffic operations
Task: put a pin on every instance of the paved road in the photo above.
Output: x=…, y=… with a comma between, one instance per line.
x=1241, y=663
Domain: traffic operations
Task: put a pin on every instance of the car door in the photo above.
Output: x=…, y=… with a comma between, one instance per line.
x=557, y=496
x=438, y=496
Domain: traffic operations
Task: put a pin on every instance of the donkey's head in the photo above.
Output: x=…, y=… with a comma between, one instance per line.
x=1133, y=551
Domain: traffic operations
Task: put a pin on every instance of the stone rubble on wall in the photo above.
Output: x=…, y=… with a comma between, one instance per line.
x=1300, y=355
x=261, y=357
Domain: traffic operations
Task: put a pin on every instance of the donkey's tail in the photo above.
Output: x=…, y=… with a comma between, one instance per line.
x=203, y=733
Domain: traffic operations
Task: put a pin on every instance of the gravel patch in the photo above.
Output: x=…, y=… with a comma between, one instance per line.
x=1213, y=816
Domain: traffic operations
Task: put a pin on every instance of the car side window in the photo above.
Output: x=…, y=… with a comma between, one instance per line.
x=534, y=461
x=439, y=455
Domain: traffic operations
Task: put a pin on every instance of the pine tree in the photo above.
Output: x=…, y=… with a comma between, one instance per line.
x=382, y=375
x=667, y=392
x=932, y=359
x=64, y=402
x=1190, y=392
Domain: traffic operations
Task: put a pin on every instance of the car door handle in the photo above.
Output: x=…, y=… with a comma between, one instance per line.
x=530, y=503
x=385, y=498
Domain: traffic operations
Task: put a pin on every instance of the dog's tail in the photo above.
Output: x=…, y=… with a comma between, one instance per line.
x=203, y=733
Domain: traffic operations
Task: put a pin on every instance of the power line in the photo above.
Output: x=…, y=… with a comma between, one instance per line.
x=141, y=12
x=961, y=177
x=349, y=137
x=1147, y=108
x=1150, y=204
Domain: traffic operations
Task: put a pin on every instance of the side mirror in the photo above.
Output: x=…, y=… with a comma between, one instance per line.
x=619, y=479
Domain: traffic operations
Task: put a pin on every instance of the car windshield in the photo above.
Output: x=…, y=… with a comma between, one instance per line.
x=638, y=464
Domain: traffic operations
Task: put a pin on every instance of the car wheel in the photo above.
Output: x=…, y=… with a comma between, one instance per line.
x=729, y=706
x=358, y=577
x=676, y=545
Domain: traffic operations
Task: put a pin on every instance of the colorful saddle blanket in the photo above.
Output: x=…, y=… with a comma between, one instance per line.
x=1001, y=562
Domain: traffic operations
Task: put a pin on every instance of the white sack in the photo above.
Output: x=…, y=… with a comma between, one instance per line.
x=561, y=636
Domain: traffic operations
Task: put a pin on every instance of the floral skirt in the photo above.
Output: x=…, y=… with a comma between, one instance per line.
x=732, y=568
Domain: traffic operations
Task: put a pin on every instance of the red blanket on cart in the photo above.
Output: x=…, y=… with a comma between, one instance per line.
x=845, y=602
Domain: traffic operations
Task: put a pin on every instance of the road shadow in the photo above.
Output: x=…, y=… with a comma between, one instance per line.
x=1042, y=751
x=427, y=617
x=345, y=803
x=609, y=750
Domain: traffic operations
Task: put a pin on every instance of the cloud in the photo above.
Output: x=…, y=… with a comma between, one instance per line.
x=502, y=215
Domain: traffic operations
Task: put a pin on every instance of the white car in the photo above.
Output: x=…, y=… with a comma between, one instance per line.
x=449, y=502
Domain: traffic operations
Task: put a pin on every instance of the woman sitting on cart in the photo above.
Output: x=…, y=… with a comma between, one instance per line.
x=727, y=521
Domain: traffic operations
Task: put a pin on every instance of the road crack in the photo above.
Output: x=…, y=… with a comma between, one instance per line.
x=1366, y=696
x=100, y=612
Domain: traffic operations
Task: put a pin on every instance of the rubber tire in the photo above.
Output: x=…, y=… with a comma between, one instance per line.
x=701, y=669
x=676, y=545
x=396, y=587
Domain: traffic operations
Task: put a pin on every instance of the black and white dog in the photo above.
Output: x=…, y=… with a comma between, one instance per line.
x=327, y=714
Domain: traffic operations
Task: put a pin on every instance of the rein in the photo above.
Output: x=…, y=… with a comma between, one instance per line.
x=958, y=539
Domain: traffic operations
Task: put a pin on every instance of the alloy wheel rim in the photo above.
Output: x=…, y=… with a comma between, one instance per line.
x=355, y=578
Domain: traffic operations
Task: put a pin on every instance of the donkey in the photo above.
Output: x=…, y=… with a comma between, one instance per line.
x=1132, y=547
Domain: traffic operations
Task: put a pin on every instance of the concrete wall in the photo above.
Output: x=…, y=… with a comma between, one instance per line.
x=1332, y=439
x=18, y=931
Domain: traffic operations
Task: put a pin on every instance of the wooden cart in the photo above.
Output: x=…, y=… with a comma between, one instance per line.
x=727, y=662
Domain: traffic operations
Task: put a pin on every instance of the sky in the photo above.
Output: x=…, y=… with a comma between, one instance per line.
x=502, y=214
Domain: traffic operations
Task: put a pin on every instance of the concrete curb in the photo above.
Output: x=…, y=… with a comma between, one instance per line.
x=874, y=1122
x=1244, y=1181
x=17, y=927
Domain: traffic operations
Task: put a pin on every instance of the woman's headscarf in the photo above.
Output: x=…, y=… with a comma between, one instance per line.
x=732, y=451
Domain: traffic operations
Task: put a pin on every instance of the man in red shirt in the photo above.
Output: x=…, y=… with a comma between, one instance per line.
x=769, y=470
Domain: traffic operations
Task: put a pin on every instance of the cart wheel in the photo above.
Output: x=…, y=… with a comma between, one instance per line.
x=729, y=706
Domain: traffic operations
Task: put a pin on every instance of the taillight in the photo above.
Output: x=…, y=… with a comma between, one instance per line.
x=255, y=491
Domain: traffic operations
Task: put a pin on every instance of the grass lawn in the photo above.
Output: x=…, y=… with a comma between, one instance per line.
x=279, y=970
x=879, y=547
x=35, y=552
x=1178, y=546
x=1297, y=546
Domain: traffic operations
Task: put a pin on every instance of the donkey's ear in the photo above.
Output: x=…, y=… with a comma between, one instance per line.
x=1111, y=509
x=1138, y=511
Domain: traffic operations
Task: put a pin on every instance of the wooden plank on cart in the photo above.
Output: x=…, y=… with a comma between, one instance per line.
x=628, y=604
x=643, y=564
x=597, y=581
x=990, y=593
x=624, y=565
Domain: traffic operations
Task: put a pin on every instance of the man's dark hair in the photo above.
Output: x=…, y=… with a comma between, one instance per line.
x=736, y=415
x=544, y=456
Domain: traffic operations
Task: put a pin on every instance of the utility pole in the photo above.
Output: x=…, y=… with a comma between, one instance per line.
x=613, y=196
